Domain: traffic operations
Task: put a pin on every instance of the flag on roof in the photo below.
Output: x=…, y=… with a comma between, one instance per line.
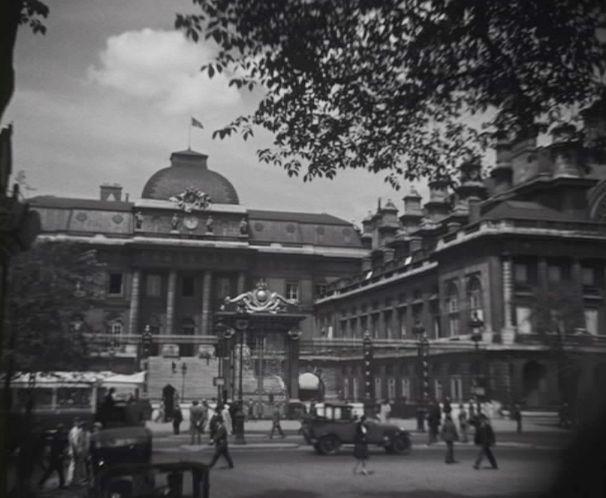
x=196, y=124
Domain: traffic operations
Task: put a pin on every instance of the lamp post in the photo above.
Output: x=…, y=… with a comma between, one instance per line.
x=293, y=363
x=423, y=355
x=368, y=352
x=183, y=374
x=225, y=334
x=241, y=325
x=476, y=336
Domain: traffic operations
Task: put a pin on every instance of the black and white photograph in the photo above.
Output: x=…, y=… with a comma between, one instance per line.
x=303, y=248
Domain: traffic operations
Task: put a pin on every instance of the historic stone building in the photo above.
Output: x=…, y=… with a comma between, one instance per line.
x=504, y=276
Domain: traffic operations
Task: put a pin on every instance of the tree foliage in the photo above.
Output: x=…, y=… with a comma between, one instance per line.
x=14, y=13
x=50, y=288
x=392, y=86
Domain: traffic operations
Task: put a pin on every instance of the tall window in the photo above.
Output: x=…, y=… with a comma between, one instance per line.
x=456, y=388
x=520, y=273
x=388, y=323
x=153, y=285
x=116, y=329
x=223, y=287
x=187, y=287
x=554, y=273
x=588, y=276
x=345, y=388
x=438, y=389
x=188, y=326
x=452, y=304
x=378, y=388
x=391, y=388
x=474, y=297
x=292, y=291
x=115, y=284
x=591, y=320
x=406, y=387
x=402, y=320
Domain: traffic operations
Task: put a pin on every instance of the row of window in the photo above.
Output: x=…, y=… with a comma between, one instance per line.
x=524, y=320
x=526, y=273
x=352, y=388
x=225, y=286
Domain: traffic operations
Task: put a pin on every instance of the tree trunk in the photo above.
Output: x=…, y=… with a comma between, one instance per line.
x=9, y=23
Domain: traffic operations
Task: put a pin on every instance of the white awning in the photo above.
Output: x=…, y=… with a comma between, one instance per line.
x=309, y=381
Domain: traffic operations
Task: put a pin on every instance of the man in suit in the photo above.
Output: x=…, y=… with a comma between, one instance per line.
x=221, y=444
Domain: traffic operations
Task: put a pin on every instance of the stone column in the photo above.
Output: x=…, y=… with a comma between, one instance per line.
x=133, y=318
x=293, y=367
x=206, y=311
x=508, y=332
x=241, y=282
x=170, y=302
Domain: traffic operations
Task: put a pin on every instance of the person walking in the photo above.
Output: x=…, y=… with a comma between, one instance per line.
x=275, y=423
x=446, y=406
x=485, y=439
x=160, y=416
x=361, y=446
x=516, y=415
x=221, y=444
x=177, y=419
x=58, y=452
x=213, y=422
x=420, y=418
x=196, y=422
x=227, y=420
x=463, y=423
x=433, y=421
x=449, y=436
x=77, y=451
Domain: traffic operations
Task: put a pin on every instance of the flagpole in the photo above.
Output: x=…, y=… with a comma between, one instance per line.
x=189, y=135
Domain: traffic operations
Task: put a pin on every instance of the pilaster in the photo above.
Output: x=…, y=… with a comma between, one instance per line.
x=133, y=318
x=170, y=302
x=206, y=295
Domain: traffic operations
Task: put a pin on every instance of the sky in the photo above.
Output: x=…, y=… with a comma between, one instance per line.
x=107, y=94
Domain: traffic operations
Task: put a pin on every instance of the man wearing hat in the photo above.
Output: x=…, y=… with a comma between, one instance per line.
x=221, y=443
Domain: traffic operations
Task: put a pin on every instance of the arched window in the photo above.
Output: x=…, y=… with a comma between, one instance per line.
x=452, y=305
x=474, y=297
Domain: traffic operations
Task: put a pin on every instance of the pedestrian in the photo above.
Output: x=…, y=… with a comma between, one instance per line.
x=227, y=420
x=196, y=422
x=446, y=406
x=485, y=439
x=449, y=436
x=472, y=416
x=168, y=396
x=177, y=419
x=516, y=414
x=57, y=455
x=434, y=418
x=275, y=423
x=221, y=444
x=93, y=455
x=161, y=415
x=420, y=418
x=77, y=451
x=463, y=423
x=384, y=411
x=213, y=422
x=361, y=446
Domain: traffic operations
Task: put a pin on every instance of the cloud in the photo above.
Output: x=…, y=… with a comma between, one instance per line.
x=162, y=67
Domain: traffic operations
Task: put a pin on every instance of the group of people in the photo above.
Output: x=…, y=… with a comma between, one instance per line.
x=74, y=447
x=441, y=424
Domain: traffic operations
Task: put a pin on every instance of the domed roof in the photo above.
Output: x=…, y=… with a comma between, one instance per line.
x=188, y=169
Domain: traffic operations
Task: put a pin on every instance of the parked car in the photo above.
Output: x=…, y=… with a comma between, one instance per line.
x=334, y=425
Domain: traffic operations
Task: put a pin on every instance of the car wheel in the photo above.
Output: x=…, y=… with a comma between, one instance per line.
x=329, y=445
x=400, y=444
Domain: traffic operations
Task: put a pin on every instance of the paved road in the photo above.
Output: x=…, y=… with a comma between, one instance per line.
x=300, y=473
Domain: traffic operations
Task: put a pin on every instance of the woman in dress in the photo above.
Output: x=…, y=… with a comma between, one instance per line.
x=361, y=446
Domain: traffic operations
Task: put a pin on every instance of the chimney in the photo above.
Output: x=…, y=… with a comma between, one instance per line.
x=388, y=255
x=366, y=264
x=474, y=209
x=111, y=192
x=453, y=226
x=564, y=151
x=502, y=172
x=416, y=244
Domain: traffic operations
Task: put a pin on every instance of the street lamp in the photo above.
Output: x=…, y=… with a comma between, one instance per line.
x=241, y=325
x=293, y=363
x=423, y=355
x=368, y=351
x=476, y=325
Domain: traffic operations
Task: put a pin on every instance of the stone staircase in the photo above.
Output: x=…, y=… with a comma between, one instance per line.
x=196, y=384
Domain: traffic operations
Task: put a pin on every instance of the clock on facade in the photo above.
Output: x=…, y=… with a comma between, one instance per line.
x=190, y=222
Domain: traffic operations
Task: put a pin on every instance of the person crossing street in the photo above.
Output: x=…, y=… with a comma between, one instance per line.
x=221, y=444
x=485, y=439
x=275, y=423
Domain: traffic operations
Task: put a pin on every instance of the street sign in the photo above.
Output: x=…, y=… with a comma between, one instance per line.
x=218, y=381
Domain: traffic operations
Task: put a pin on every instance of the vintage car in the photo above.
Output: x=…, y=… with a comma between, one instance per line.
x=175, y=479
x=123, y=437
x=335, y=424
